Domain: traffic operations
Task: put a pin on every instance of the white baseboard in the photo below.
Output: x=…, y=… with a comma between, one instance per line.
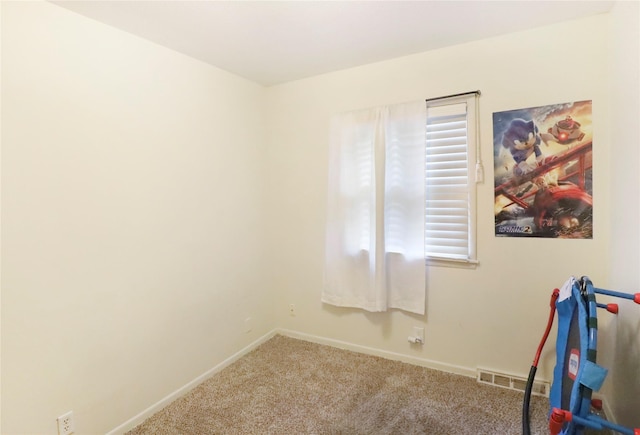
x=437, y=365
x=607, y=410
x=138, y=419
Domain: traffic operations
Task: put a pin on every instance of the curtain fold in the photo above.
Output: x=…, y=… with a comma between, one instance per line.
x=374, y=257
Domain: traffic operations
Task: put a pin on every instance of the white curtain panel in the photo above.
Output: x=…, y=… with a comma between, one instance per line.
x=375, y=257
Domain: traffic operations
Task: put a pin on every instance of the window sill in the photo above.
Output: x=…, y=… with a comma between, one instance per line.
x=451, y=262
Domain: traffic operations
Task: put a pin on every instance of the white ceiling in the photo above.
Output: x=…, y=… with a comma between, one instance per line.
x=272, y=42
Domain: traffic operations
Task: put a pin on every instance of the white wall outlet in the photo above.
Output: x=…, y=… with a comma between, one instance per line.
x=292, y=309
x=418, y=335
x=66, y=425
x=247, y=324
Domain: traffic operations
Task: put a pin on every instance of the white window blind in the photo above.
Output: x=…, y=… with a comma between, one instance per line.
x=450, y=186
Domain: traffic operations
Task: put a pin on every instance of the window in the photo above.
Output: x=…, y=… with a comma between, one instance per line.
x=450, y=182
x=400, y=191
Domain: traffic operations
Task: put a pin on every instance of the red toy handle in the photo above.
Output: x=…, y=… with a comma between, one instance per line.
x=552, y=312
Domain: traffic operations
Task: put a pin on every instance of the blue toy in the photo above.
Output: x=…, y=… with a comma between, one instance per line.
x=576, y=374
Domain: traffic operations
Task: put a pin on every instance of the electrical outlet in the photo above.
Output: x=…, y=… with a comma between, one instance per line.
x=418, y=333
x=292, y=309
x=66, y=425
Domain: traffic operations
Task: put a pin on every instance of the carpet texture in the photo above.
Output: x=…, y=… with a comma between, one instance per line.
x=290, y=386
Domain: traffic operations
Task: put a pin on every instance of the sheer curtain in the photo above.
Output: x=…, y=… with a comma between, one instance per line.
x=374, y=256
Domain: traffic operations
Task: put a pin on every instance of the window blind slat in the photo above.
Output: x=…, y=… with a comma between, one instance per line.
x=448, y=246
x=458, y=228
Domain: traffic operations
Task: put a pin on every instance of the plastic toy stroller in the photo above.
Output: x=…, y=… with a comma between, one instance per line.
x=576, y=374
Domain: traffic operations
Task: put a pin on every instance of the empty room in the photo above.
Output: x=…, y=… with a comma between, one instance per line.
x=236, y=217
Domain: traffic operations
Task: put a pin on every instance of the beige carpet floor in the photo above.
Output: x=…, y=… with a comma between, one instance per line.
x=289, y=386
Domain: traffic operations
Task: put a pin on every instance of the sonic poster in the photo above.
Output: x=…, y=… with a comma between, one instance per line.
x=543, y=171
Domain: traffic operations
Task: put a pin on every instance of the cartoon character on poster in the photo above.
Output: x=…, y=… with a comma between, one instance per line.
x=543, y=171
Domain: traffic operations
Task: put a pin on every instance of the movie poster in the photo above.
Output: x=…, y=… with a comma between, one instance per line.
x=543, y=171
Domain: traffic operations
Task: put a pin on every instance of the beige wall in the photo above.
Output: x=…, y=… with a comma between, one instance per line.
x=150, y=203
x=623, y=331
x=492, y=316
x=132, y=227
